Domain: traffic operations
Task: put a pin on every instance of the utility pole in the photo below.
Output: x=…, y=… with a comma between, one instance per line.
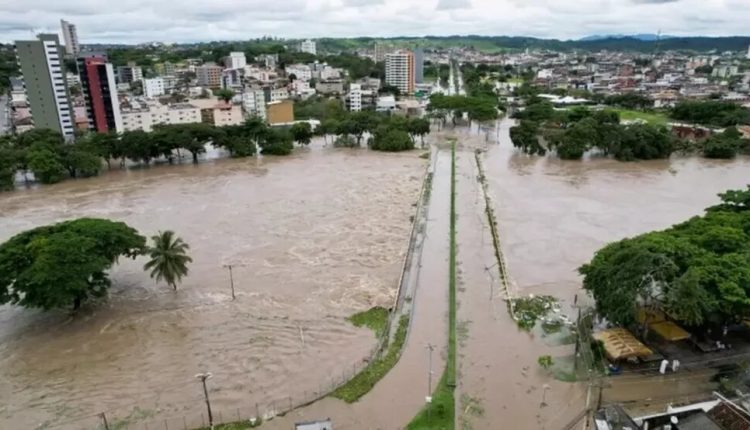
x=203, y=377
x=231, y=279
x=428, y=399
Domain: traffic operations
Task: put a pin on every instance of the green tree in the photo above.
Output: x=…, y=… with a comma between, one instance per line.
x=168, y=258
x=225, y=94
x=418, y=127
x=301, y=132
x=525, y=137
x=46, y=165
x=390, y=139
x=64, y=264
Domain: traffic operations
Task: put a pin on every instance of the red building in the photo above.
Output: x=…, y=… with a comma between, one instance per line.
x=100, y=92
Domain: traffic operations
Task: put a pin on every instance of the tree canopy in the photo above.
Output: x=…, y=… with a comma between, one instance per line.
x=698, y=271
x=64, y=264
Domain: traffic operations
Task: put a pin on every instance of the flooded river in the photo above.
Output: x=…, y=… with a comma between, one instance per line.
x=316, y=237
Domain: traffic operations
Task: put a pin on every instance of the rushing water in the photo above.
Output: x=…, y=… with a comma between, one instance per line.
x=315, y=237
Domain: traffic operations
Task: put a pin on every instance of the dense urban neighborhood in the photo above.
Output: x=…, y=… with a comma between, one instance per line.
x=553, y=234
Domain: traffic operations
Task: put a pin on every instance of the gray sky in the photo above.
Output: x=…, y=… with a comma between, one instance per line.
x=132, y=21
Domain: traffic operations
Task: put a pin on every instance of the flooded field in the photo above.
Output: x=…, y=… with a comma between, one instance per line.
x=314, y=237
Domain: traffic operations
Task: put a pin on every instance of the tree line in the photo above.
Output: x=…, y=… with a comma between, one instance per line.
x=45, y=153
x=478, y=108
x=387, y=132
x=67, y=264
x=571, y=133
x=697, y=272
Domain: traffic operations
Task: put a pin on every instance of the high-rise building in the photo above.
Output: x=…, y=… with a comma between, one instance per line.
x=308, y=46
x=355, y=97
x=419, y=65
x=235, y=60
x=46, y=89
x=70, y=36
x=130, y=73
x=100, y=92
x=153, y=87
x=748, y=52
x=209, y=75
x=399, y=71
x=380, y=52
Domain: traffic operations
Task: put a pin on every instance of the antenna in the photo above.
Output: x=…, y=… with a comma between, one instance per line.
x=658, y=41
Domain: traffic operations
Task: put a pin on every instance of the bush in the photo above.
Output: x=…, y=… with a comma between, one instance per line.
x=391, y=140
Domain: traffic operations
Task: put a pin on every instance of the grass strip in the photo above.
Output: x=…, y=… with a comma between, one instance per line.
x=363, y=382
x=440, y=414
x=375, y=318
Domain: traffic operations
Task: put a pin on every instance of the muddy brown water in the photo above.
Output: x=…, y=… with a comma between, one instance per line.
x=316, y=236
x=552, y=216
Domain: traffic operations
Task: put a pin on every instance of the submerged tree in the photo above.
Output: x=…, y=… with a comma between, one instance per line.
x=64, y=264
x=169, y=258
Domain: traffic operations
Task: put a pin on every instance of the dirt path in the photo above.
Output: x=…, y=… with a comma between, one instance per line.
x=398, y=397
x=499, y=378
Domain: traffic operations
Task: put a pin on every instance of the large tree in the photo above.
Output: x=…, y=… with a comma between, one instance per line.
x=64, y=264
x=169, y=259
x=698, y=271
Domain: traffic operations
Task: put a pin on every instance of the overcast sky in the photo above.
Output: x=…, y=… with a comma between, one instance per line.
x=133, y=21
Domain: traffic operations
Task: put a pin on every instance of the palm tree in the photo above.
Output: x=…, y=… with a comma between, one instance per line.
x=169, y=258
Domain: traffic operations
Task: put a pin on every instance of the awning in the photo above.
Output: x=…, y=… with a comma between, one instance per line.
x=620, y=344
x=669, y=331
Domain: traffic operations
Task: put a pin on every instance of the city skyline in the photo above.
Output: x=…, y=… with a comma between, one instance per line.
x=138, y=21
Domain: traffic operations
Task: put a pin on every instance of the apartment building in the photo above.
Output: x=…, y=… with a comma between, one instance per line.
x=303, y=72
x=235, y=60
x=100, y=94
x=209, y=75
x=146, y=115
x=153, y=87
x=130, y=73
x=399, y=71
x=354, y=98
x=419, y=65
x=254, y=102
x=43, y=72
x=70, y=37
x=309, y=47
x=280, y=112
x=222, y=114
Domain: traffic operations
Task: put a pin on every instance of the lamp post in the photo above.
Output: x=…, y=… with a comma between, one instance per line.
x=203, y=377
x=428, y=399
x=231, y=278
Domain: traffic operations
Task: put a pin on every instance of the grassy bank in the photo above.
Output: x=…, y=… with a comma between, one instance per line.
x=376, y=319
x=653, y=118
x=440, y=415
x=363, y=382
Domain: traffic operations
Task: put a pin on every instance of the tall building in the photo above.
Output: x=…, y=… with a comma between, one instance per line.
x=70, y=36
x=419, y=65
x=46, y=89
x=399, y=71
x=130, y=73
x=355, y=97
x=748, y=52
x=209, y=75
x=235, y=60
x=100, y=92
x=153, y=87
x=380, y=51
x=308, y=46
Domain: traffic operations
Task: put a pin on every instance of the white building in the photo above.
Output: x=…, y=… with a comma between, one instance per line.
x=386, y=104
x=399, y=71
x=355, y=97
x=254, y=102
x=748, y=53
x=278, y=94
x=70, y=36
x=235, y=60
x=301, y=71
x=147, y=116
x=308, y=46
x=72, y=79
x=153, y=87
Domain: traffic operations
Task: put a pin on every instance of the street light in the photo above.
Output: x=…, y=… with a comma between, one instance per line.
x=203, y=377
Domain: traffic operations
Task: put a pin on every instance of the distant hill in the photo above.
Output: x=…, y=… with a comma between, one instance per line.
x=646, y=37
x=638, y=43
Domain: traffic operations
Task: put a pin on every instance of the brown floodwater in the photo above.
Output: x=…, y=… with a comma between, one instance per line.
x=553, y=215
x=315, y=237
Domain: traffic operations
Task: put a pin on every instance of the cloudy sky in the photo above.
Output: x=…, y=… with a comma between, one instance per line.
x=132, y=21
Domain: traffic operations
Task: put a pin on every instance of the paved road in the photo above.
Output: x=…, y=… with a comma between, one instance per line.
x=4, y=115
